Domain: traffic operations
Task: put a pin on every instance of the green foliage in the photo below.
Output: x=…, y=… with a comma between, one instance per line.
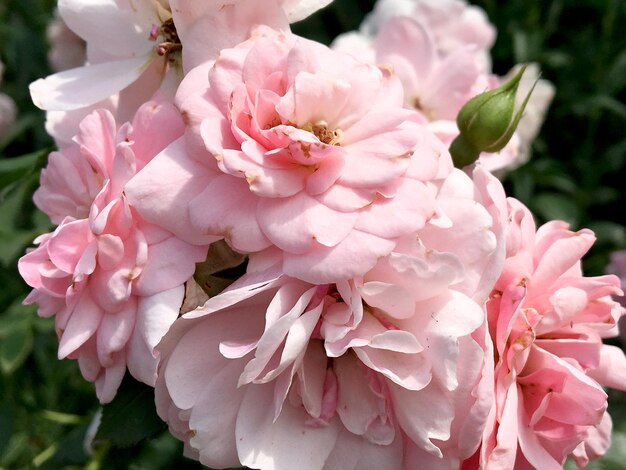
x=16, y=337
x=576, y=174
x=131, y=416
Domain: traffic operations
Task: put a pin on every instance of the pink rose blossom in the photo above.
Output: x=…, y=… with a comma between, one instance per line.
x=113, y=281
x=121, y=49
x=453, y=24
x=435, y=84
x=547, y=322
x=281, y=135
x=389, y=370
x=141, y=41
x=440, y=51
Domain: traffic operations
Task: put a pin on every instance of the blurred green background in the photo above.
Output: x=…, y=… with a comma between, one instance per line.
x=577, y=173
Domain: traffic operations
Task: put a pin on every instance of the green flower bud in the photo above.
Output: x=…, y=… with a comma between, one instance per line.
x=487, y=122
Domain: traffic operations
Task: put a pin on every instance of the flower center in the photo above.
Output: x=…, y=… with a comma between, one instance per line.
x=170, y=42
x=320, y=130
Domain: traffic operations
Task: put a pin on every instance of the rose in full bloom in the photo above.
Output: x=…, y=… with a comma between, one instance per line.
x=547, y=322
x=440, y=51
x=436, y=85
x=452, y=24
x=113, y=282
x=283, y=152
x=135, y=48
x=391, y=370
x=141, y=40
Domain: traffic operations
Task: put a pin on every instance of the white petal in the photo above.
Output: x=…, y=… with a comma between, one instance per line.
x=109, y=25
x=83, y=86
x=297, y=10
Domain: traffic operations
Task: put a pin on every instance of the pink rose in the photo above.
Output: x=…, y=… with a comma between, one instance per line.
x=113, y=281
x=281, y=135
x=547, y=322
x=440, y=51
x=389, y=370
x=139, y=43
x=453, y=24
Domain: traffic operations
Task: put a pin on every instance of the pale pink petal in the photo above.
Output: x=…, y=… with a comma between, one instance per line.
x=163, y=270
x=297, y=10
x=81, y=87
x=597, y=443
x=422, y=273
x=214, y=416
x=185, y=379
x=259, y=368
x=299, y=222
x=207, y=29
x=113, y=333
x=263, y=443
x=82, y=324
x=118, y=30
x=448, y=318
x=503, y=454
x=612, y=369
x=343, y=261
x=155, y=125
x=156, y=313
x=404, y=214
x=423, y=415
x=564, y=250
x=403, y=38
x=353, y=453
x=110, y=379
x=67, y=245
x=232, y=218
x=62, y=125
x=312, y=377
x=392, y=299
x=361, y=411
x=161, y=191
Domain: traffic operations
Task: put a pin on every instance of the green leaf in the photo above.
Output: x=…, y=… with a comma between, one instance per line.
x=17, y=313
x=609, y=233
x=7, y=416
x=551, y=206
x=131, y=416
x=15, y=347
x=17, y=129
x=16, y=336
x=13, y=244
x=615, y=79
x=69, y=450
x=602, y=103
x=12, y=169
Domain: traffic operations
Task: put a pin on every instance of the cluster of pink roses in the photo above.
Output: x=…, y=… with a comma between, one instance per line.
x=396, y=312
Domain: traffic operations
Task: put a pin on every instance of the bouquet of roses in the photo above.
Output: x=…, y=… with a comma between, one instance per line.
x=305, y=250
